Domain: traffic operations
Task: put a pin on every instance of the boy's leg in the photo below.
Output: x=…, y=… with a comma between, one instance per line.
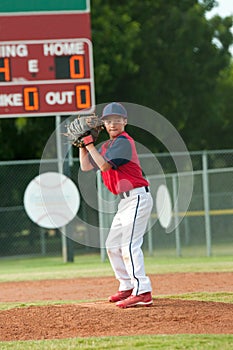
x=114, y=252
x=138, y=209
x=134, y=262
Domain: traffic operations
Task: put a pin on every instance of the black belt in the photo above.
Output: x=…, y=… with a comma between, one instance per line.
x=127, y=193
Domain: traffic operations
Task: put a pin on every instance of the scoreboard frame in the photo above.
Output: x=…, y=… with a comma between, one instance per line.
x=66, y=80
x=58, y=84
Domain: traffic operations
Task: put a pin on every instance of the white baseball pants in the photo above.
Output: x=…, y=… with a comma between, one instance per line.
x=125, y=240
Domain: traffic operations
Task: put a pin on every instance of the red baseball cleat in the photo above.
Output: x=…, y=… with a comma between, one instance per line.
x=144, y=299
x=120, y=295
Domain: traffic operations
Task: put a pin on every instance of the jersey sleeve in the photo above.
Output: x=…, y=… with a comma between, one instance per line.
x=119, y=153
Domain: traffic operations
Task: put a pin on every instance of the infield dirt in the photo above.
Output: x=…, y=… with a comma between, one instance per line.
x=95, y=316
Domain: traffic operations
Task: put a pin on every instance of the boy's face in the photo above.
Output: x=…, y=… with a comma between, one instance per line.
x=114, y=125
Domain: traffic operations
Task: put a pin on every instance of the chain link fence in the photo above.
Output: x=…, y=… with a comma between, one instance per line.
x=206, y=229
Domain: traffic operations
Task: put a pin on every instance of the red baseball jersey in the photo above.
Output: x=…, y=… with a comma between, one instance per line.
x=126, y=172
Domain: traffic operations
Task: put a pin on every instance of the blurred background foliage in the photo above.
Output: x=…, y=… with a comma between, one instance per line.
x=165, y=55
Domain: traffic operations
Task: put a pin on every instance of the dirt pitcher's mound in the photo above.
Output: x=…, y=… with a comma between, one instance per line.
x=101, y=318
x=166, y=316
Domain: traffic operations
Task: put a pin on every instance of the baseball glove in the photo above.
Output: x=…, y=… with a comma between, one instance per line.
x=83, y=126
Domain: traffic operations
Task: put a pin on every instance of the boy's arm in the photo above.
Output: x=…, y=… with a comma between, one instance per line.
x=98, y=159
x=84, y=160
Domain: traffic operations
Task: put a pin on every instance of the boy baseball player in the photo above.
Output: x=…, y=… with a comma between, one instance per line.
x=121, y=173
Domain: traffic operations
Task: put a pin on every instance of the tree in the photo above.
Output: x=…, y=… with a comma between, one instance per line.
x=115, y=36
x=176, y=59
x=24, y=138
x=224, y=94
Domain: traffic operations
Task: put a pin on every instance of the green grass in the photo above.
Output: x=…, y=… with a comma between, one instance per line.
x=91, y=265
x=153, y=342
x=219, y=297
x=14, y=305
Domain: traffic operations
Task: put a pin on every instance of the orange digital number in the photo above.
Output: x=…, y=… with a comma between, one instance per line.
x=31, y=99
x=77, y=67
x=83, y=96
x=5, y=69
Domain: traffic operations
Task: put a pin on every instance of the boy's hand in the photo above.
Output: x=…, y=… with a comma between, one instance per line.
x=87, y=140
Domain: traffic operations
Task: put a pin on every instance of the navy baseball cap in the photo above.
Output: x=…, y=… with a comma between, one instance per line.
x=114, y=108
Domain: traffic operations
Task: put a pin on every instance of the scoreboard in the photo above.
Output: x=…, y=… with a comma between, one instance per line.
x=46, y=58
x=46, y=76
